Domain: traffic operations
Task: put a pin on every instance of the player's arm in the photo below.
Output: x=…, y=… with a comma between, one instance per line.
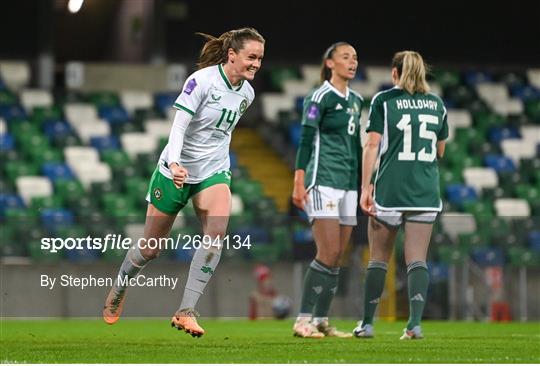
x=310, y=121
x=176, y=142
x=374, y=130
x=442, y=136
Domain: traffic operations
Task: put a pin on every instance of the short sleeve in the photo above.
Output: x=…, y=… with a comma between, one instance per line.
x=312, y=113
x=443, y=132
x=375, y=121
x=193, y=93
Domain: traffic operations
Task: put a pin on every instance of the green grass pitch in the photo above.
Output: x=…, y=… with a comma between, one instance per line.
x=243, y=341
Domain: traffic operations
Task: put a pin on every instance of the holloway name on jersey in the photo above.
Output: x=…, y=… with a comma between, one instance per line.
x=408, y=177
x=216, y=107
x=336, y=152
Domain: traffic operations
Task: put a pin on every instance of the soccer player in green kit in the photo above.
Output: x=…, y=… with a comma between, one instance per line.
x=326, y=183
x=406, y=130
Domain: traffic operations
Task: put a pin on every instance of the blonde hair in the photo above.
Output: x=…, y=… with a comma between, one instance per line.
x=215, y=50
x=411, y=71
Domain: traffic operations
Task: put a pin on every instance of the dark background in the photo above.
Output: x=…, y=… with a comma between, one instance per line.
x=445, y=32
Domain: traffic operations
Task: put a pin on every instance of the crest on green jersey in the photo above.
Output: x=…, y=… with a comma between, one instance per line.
x=243, y=106
x=157, y=193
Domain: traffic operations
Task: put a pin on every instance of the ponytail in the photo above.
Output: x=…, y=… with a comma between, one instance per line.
x=411, y=71
x=215, y=50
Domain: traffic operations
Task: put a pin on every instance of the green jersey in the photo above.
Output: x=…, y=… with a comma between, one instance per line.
x=336, y=147
x=407, y=178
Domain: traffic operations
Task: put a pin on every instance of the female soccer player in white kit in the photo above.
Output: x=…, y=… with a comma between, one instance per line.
x=195, y=164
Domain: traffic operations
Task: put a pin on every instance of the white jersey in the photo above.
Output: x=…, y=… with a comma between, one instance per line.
x=216, y=107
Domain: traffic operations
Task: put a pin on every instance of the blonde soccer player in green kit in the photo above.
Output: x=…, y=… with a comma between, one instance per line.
x=406, y=130
x=326, y=183
x=195, y=165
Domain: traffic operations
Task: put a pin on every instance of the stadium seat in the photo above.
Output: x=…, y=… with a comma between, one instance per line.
x=296, y=88
x=534, y=77
x=10, y=201
x=90, y=173
x=501, y=164
x=75, y=155
x=488, y=257
x=518, y=149
x=498, y=134
x=31, y=98
x=474, y=77
x=55, y=171
x=165, y=101
x=457, y=194
x=101, y=143
x=272, y=103
x=114, y=114
x=138, y=143
x=7, y=142
x=15, y=74
x=136, y=99
x=455, y=223
x=157, y=127
x=525, y=92
x=450, y=254
x=33, y=186
x=97, y=128
x=11, y=112
x=480, y=178
x=16, y=168
x=80, y=113
x=54, y=219
x=534, y=240
x=521, y=257
x=294, y=131
x=56, y=128
x=512, y=207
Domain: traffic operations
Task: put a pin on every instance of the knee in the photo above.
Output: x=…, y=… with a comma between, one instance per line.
x=330, y=257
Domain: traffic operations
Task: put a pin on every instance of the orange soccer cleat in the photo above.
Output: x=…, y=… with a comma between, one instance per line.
x=186, y=320
x=113, y=306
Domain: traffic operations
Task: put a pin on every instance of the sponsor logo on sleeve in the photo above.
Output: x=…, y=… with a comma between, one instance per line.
x=313, y=111
x=190, y=86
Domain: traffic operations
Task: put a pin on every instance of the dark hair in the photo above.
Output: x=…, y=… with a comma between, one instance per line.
x=215, y=50
x=326, y=73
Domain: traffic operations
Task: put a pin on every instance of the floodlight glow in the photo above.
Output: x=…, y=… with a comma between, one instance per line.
x=75, y=5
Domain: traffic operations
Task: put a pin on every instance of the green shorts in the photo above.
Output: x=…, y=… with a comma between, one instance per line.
x=164, y=195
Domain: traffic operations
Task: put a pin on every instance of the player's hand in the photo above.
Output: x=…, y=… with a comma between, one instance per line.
x=299, y=196
x=179, y=174
x=366, y=201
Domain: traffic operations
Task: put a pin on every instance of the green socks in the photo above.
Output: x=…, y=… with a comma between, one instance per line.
x=417, y=282
x=320, y=285
x=375, y=277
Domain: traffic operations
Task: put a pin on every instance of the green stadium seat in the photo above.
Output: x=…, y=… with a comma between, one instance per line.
x=48, y=155
x=42, y=256
x=41, y=114
x=452, y=255
x=116, y=158
x=15, y=169
x=469, y=241
x=24, y=130
x=136, y=189
x=68, y=189
x=39, y=203
x=7, y=98
x=492, y=194
x=446, y=78
x=521, y=257
x=279, y=74
x=63, y=141
x=484, y=121
x=468, y=137
x=532, y=109
x=483, y=208
x=104, y=99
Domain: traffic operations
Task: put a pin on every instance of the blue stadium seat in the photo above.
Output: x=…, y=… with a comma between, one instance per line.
x=10, y=201
x=165, y=101
x=257, y=235
x=183, y=255
x=56, y=129
x=302, y=236
x=9, y=112
x=56, y=218
x=501, y=163
x=459, y=193
x=488, y=256
x=6, y=142
x=449, y=103
x=474, y=77
x=438, y=272
x=2, y=85
x=294, y=133
x=299, y=105
x=538, y=150
x=497, y=134
x=233, y=159
x=534, y=241
x=105, y=143
x=55, y=171
x=82, y=255
x=114, y=114
x=525, y=92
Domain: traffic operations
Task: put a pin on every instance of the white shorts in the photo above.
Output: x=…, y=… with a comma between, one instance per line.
x=396, y=218
x=330, y=203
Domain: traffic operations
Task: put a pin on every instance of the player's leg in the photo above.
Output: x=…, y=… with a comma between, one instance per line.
x=381, y=238
x=322, y=306
x=417, y=237
x=213, y=207
x=164, y=202
x=158, y=225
